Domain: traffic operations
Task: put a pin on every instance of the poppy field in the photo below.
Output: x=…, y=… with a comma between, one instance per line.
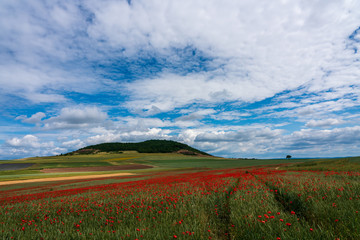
x=253, y=203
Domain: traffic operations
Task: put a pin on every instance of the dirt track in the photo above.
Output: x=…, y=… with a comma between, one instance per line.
x=65, y=178
x=95, y=169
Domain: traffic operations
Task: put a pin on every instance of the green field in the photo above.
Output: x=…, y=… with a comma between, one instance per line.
x=162, y=162
x=184, y=197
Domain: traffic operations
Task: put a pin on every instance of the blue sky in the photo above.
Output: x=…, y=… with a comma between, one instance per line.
x=234, y=78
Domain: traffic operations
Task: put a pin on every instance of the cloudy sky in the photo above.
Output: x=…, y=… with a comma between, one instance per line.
x=234, y=78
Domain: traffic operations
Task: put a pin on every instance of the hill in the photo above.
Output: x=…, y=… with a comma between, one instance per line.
x=150, y=146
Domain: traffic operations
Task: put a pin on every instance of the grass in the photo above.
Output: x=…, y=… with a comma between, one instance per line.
x=341, y=164
x=75, y=160
x=213, y=162
x=162, y=162
x=221, y=204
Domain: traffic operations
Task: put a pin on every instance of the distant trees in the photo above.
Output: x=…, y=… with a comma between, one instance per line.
x=288, y=156
x=150, y=146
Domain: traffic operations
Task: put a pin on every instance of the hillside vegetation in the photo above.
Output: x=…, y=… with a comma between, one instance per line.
x=150, y=146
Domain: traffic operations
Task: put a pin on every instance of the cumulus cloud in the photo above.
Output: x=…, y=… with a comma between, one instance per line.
x=305, y=107
x=267, y=143
x=252, y=50
x=197, y=115
x=238, y=142
x=28, y=145
x=34, y=119
x=130, y=136
x=328, y=140
x=38, y=45
x=172, y=91
x=324, y=122
x=262, y=48
x=73, y=144
x=138, y=123
x=238, y=136
x=27, y=141
x=230, y=141
x=230, y=115
x=76, y=117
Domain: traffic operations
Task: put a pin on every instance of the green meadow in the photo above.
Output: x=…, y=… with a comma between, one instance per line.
x=185, y=197
x=159, y=162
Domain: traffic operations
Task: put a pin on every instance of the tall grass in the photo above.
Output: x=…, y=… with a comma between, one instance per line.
x=216, y=204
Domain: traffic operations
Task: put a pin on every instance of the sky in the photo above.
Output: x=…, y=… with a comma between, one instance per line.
x=242, y=79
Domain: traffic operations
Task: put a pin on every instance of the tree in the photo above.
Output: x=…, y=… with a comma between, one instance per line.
x=288, y=156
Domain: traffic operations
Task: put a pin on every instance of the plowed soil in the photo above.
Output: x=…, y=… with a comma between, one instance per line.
x=95, y=169
x=14, y=166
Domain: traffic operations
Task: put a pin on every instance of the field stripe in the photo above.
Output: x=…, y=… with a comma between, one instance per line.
x=65, y=178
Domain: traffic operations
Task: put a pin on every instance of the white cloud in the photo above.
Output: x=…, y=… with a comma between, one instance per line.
x=76, y=117
x=263, y=48
x=197, y=115
x=238, y=136
x=127, y=123
x=255, y=49
x=335, y=141
x=173, y=91
x=241, y=141
x=304, y=107
x=130, y=136
x=324, y=122
x=73, y=144
x=274, y=143
x=230, y=115
x=28, y=145
x=38, y=43
x=231, y=141
x=27, y=141
x=34, y=119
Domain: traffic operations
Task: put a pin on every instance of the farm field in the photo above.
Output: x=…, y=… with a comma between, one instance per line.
x=42, y=167
x=180, y=199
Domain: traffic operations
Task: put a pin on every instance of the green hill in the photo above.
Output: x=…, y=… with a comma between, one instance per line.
x=150, y=146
